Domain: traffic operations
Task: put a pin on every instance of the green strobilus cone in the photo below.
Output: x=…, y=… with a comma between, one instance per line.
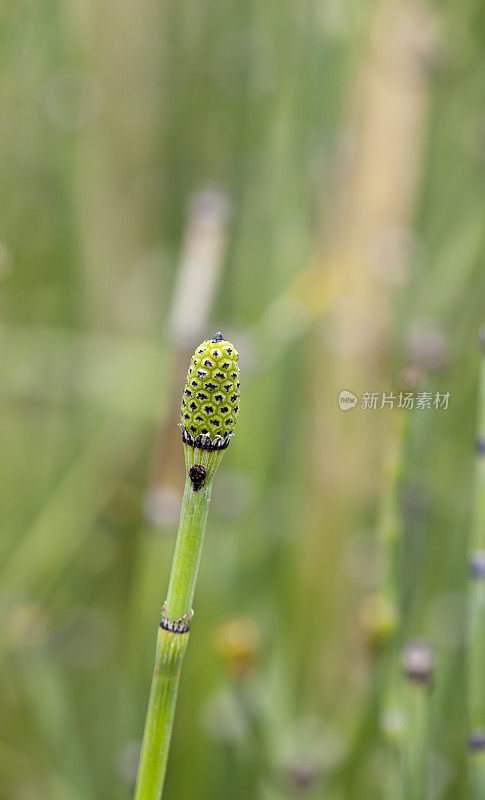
x=209, y=410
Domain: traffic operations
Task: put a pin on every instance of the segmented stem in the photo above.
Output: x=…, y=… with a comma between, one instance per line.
x=190, y=537
x=407, y=696
x=177, y=609
x=390, y=521
x=476, y=666
x=170, y=651
x=415, y=742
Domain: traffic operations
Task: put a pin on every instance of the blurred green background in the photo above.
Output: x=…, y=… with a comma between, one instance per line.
x=307, y=176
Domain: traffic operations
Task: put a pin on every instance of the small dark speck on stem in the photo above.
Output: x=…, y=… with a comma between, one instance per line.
x=197, y=475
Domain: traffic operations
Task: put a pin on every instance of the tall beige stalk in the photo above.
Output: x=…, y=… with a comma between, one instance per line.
x=368, y=245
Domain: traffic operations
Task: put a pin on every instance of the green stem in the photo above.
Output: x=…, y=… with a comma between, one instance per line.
x=381, y=696
x=476, y=655
x=390, y=520
x=390, y=533
x=415, y=742
x=171, y=645
x=161, y=709
x=188, y=549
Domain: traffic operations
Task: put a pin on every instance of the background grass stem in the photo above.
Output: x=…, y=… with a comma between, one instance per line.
x=476, y=660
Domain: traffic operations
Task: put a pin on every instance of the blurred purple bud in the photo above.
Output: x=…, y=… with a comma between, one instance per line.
x=417, y=661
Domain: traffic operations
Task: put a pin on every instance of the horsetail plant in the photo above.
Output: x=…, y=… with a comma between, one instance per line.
x=208, y=415
x=476, y=666
x=380, y=612
x=390, y=519
x=402, y=701
x=379, y=615
x=417, y=663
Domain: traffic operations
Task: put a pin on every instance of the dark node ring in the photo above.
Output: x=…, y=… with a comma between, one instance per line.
x=481, y=446
x=181, y=625
x=476, y=741
x=178, y=626
x=477, y=565
x=204, y=441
